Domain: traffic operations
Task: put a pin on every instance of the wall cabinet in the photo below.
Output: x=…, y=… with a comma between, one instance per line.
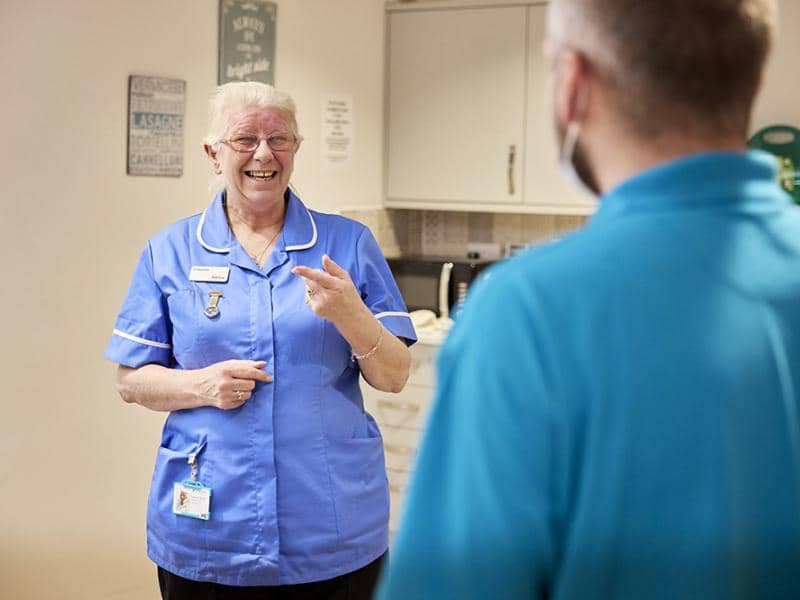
x=468, y=126
x=401, y=418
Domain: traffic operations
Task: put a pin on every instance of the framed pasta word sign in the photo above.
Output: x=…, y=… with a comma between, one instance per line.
x=247, y=41
x=156, y=110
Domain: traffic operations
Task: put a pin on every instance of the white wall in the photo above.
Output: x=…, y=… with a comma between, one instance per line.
x=335, y=46
x=75, y=462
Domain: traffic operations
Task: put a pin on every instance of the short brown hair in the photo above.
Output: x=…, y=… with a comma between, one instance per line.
x=674, y=65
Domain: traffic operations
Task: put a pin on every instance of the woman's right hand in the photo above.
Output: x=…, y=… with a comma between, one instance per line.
x=230, y=383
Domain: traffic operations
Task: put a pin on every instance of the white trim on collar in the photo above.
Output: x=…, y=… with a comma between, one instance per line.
x=313, y=239
x=308, y=244
x=202, y=241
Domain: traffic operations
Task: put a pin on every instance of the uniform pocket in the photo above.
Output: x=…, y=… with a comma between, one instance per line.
x=361, y=492
x=172, y=465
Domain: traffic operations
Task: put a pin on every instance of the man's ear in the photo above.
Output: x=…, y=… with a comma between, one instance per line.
x=212, y=156
x=572, y=92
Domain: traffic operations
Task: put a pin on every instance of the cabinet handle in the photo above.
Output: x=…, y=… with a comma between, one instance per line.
x=402, y=450
x=406, y=406
x=512, y=152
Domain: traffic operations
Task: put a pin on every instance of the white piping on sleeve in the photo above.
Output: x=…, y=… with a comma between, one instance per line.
x=139, y=340
x=313, y=237
x=390, y=313
x=202, y=241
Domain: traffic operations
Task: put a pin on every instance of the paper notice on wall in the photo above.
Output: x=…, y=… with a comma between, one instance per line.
x=337, y=133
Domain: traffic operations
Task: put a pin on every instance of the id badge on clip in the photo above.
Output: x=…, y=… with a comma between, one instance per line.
x=190, y=498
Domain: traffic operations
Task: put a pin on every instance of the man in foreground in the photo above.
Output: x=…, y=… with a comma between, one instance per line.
x=617, y=412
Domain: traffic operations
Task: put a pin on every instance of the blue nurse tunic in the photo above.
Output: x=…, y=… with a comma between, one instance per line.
x=299, y=489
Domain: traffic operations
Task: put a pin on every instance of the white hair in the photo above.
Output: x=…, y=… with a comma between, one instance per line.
x=239, y=94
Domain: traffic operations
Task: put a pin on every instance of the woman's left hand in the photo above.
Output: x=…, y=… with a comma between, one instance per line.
x=384, y=360
x=330, y=293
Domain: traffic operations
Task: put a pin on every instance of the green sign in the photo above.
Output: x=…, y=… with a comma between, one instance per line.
x=784, y=142
x=247, y=41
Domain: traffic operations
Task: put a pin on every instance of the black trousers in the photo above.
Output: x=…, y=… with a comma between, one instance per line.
x=358, y=585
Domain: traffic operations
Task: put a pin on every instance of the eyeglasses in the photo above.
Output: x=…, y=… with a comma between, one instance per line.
x=276, y=143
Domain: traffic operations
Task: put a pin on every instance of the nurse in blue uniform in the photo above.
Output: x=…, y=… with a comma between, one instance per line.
x=250, y=324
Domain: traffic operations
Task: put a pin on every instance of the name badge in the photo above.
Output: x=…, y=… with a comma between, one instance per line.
x=191, y=499
x=209, y=274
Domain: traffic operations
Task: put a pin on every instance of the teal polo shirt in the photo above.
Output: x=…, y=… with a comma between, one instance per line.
x=617, y=412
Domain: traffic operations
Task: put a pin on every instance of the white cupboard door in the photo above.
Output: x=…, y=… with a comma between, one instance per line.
x=456, y=99
x=546, y=187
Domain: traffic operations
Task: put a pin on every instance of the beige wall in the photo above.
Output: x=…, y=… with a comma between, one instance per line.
x=75, y=463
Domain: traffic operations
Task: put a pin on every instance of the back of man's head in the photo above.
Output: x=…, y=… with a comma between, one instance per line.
x=673, y=66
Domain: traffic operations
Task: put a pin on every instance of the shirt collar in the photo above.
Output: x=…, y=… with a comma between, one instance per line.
x=696, y=181
x=299, y=228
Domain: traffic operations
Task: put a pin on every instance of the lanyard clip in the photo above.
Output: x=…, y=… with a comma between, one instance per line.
x=193, y=463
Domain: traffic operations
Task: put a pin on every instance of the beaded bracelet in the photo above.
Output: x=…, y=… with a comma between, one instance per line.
x=354, y=357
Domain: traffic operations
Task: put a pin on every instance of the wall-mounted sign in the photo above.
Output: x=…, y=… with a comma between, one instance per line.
x=247, y=41
x=156, y=109
x=337, y=133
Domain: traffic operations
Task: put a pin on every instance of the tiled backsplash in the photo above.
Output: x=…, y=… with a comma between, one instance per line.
x=402, y=232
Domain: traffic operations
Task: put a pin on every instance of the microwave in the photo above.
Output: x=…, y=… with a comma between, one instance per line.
x=436, y=283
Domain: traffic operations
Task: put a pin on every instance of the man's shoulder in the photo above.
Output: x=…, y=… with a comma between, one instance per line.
x=564, y=276
x=555, y=259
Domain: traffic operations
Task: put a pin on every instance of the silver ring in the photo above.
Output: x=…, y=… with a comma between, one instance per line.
x=239, y=395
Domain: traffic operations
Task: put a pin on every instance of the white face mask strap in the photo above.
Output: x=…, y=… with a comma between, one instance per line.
x=565, y=160
x=570, y=142
x=570, y=139
x=573, y=127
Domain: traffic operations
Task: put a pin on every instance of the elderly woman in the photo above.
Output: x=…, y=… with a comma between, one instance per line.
x=270, y=478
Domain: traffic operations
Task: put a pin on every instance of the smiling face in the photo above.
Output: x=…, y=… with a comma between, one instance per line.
x=260, y=177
